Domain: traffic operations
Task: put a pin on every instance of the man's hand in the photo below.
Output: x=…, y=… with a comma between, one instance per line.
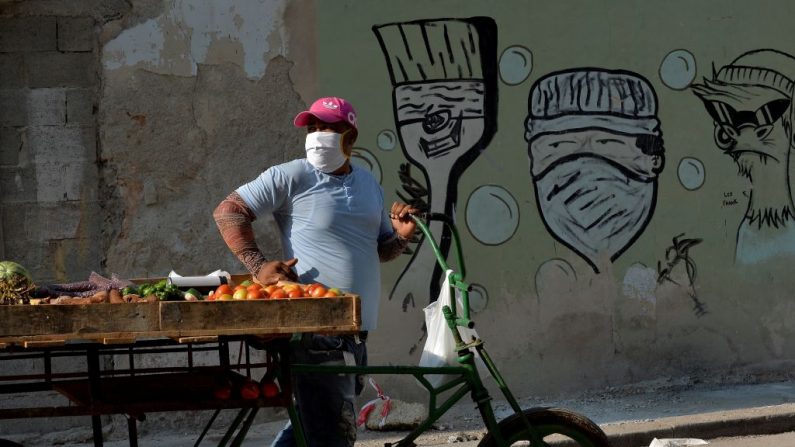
x=275, y=271
x=403, y=224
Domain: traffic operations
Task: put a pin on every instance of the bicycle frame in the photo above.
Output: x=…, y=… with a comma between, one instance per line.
x=467, y=378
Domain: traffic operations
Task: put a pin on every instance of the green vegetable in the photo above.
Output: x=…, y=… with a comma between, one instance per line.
x=194, y=293
x=129, y=290
x=15, y=283
x=146, y=289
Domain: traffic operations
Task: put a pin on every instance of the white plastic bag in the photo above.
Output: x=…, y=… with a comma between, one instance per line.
x=439, y=347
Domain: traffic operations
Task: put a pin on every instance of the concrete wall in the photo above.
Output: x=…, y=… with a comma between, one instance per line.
x=613, y=232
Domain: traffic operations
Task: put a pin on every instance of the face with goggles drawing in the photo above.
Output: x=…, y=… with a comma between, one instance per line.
x=752, y=133
x=750, y=103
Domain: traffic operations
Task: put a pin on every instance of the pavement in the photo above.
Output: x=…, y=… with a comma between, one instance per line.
x=631, y=417
x=677, y=409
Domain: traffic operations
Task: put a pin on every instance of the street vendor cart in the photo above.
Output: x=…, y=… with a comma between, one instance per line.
x=131, y=332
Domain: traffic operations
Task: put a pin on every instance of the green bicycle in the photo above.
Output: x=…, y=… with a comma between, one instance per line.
x=536, y=427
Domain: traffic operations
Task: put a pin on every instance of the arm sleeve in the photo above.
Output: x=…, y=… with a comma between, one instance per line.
x=233, y=218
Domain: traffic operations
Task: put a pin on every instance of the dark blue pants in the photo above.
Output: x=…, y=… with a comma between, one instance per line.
x=326, y=402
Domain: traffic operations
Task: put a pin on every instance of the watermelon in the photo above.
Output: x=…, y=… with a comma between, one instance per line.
x=15, y=283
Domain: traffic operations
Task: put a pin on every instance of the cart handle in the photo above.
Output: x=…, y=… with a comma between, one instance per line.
x=456, y=278
x=446, y=220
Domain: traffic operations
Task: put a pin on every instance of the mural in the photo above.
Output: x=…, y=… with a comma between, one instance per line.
x=596, y=150
x=750, y=102
x=444, y=78
x=678, y=254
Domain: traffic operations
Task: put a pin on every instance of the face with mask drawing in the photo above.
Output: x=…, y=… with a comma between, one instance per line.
x=595, y=189
x=595, y=150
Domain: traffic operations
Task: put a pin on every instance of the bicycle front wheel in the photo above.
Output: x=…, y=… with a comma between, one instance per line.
x=556, y=426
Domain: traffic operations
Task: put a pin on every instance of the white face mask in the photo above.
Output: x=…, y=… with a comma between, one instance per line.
x=324, y=151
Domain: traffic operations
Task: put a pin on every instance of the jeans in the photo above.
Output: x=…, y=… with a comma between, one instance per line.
x=326, y=402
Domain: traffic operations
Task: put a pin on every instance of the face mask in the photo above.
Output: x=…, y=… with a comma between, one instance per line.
x=594, y=206
x=324, y=151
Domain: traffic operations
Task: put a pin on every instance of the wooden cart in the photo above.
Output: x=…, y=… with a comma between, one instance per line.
x=92, y=331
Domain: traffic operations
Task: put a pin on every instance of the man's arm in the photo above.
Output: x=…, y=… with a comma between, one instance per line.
x=234, y=219
x=392, y=247
x=403, y=227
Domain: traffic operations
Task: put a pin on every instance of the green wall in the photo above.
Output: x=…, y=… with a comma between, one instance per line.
x=571, y=319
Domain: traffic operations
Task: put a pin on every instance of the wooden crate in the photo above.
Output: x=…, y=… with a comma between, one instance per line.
x=60, y=322
x=282, y=316
x=44, y=324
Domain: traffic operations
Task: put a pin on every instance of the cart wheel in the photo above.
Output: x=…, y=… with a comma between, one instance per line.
x=554, y=423
x=7, y=443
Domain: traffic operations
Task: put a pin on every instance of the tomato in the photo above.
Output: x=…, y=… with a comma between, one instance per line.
x=278, y=293
x=255, y=286
x=246, y=283
x=240, y=294
x=269, y=289
x=290, y=287
x=223, y=393
x=295, y=293
x=312, y=287
x=269, y=389
x=211, y=296
x=224, y=297
x=223, y=289
x=334, y=292
x=249, y=390
x=318, y=292
x=255, y=294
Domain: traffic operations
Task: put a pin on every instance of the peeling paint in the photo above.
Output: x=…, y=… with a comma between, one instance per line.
x=193, y=32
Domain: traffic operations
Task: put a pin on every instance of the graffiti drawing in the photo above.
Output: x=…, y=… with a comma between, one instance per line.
x=750, y=102
x=596, y=150
x=678, y=253
x=444, y=78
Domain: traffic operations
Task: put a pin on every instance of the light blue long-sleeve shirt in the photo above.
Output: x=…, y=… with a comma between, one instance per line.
x=331, y=223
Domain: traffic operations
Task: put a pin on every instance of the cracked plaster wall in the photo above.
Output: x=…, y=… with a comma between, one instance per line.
x=196, y=100
x=187, y=101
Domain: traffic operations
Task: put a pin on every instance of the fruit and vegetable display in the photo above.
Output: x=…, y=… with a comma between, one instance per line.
x=17, y=287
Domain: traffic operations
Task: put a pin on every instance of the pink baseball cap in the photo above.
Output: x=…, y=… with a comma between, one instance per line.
x=330, y=109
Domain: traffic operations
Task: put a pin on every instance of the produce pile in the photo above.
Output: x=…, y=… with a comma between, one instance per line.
x=16, y=287
x=248, y=290
x=102, y=290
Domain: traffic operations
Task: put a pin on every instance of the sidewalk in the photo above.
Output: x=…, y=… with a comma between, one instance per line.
x=631, y=417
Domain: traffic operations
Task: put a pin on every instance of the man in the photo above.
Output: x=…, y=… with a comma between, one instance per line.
x=334, y=230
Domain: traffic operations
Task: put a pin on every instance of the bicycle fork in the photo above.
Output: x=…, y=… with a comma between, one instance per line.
x=486, y=410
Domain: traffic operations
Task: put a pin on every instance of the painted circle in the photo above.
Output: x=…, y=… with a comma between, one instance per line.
x=478, y=298
x=516, y=63
x=366, y=160
x=691, y=173
x=386, y=140
x=678, y=69
x=492, y=214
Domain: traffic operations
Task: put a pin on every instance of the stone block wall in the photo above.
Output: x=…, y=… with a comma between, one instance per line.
x=49, y=202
